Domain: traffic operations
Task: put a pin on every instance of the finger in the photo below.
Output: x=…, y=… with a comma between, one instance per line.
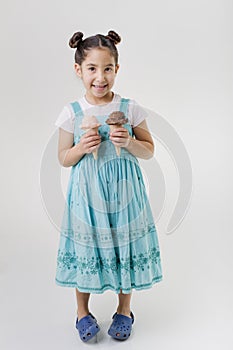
x=92, y=143
x=119, y=143
x=122, y=135
x=120, y=130
x=89, y=136
x=91, y=149
x=92, y=138
x=118, y=139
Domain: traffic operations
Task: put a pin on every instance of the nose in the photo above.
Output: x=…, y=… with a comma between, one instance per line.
x=100, y=76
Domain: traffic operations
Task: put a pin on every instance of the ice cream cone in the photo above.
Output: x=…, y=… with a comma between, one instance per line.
x=91, y=123
x=113, y=127
x=95, y=152
x=115, y=121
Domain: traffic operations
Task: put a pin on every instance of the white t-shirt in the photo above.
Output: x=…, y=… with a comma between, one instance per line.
x=66, y=119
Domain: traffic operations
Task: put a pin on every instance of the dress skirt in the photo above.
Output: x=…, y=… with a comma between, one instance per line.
x=108, y=238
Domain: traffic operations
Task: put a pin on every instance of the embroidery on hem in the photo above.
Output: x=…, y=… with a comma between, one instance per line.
x=92, y=265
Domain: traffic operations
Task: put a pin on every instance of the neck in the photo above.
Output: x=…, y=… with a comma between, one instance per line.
x=100, y=101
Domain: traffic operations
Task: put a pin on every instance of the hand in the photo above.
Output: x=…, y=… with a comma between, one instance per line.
x=89, y=141
x=120, y=137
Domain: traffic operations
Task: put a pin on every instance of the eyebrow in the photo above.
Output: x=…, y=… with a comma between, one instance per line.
x=94, y=65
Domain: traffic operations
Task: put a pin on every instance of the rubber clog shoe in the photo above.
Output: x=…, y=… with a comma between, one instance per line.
x=121, y=326
x=87, y=327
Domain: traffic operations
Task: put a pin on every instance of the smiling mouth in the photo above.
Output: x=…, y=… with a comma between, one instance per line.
x=100, y=86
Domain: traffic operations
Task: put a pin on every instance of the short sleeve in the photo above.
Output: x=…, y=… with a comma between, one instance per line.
x=65, y=119
x=136, y=113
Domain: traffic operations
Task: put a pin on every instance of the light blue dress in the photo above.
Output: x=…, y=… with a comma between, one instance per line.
x=108, y=239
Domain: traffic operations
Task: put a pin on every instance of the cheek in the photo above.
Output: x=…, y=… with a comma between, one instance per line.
x=87, y=80
x=112, y=78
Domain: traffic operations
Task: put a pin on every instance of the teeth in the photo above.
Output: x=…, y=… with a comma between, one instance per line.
x=99, y=86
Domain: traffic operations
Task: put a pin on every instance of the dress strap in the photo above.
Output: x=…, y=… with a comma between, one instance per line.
x=78, y=116
x=124, y=105
x=76, y=108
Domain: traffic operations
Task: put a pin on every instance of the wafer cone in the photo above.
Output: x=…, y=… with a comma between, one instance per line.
x=91, y=123
x=115, y=120
x=95, y=152
x=113, y=127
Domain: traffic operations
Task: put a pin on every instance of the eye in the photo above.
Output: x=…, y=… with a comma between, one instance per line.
x=108, y=69
x=91, y=69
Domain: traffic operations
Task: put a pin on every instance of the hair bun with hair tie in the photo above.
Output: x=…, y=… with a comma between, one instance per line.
x=113, y=36
x=75, y=40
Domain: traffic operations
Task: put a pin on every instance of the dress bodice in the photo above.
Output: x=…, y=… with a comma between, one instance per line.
x=106, y=147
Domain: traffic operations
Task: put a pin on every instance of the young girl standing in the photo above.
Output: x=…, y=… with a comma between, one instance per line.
x=108, y=237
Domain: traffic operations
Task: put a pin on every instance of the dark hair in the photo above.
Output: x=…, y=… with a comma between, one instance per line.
x=96, y=41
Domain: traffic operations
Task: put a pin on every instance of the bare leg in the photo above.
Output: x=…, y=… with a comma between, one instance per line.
x=124, y=304
x=82, y=303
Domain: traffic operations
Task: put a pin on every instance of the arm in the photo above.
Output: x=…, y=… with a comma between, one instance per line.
x=141, y=146
x=70, y=154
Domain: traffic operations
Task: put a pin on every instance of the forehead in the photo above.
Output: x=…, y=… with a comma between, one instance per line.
x=99, y=55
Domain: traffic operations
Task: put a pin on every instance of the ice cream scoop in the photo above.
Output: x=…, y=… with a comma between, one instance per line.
x=90, y=122
x=116, y=120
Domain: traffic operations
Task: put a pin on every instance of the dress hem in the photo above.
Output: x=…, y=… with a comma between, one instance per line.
x=109, y=287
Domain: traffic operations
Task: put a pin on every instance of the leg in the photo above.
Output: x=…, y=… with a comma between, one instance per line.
x=86, y=323
x=124, y=304
x=123, y=319
x=82, y=303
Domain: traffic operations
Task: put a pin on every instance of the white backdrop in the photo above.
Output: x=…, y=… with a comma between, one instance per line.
x=176, y=59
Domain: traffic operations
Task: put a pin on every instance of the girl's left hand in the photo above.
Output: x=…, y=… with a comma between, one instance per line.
x=120, y=137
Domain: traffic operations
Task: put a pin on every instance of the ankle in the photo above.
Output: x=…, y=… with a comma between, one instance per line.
x=82, y=313
x=124, y=311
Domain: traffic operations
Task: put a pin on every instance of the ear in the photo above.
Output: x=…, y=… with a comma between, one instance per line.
x=78, y=70
x=116, y=68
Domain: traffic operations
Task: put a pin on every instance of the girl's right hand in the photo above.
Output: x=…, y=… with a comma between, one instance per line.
x=89, y=141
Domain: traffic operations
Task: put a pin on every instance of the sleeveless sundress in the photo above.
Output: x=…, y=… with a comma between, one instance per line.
x=108, y=239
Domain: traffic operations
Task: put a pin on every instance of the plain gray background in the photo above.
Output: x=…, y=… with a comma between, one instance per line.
x=176, y=59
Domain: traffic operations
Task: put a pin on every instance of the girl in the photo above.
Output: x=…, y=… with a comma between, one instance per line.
x=108, y=238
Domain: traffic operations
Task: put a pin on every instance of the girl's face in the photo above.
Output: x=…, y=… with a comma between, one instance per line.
x=98, y=72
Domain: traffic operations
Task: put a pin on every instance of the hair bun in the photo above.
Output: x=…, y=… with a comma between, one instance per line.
x=114, y=37
x=75, y=40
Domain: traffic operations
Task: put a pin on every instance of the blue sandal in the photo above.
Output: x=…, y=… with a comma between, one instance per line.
x=121, y=326
x=87, y=327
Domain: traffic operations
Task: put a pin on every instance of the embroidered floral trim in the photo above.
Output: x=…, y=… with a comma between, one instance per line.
x=92, y=265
